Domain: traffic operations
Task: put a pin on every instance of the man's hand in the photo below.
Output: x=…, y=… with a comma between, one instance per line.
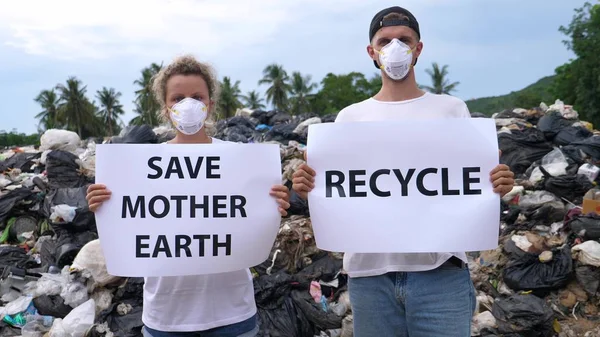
x=503, y=179
x=303, y=180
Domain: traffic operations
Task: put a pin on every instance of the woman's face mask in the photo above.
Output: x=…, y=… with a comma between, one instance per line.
x=396, y=59
x=188, y=115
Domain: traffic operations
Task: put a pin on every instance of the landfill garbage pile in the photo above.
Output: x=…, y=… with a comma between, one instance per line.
x=542, y=280
x=544, y=277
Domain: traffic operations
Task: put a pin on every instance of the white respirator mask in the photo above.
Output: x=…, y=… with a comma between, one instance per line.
x=188, y=115
x=396, y=59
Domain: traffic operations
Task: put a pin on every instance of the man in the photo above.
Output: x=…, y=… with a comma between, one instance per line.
x=420, y=294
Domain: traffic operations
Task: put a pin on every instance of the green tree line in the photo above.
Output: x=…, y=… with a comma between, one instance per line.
x=67, y=106
x=578, y=81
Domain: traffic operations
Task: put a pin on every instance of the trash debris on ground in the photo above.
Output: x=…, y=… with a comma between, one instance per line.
x=542, y=280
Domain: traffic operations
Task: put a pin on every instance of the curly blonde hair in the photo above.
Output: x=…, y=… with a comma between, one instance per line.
x=185, y=65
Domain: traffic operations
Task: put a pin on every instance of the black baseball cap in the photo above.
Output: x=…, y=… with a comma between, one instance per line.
x=377, y=22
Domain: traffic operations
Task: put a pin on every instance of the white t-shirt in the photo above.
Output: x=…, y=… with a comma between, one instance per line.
x=428, y=106
x=199, y=302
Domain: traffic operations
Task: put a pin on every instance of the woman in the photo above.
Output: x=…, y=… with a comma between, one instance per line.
x=206, y=305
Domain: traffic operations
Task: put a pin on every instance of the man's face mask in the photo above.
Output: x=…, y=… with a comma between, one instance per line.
x=396, y=59
x=188, y=115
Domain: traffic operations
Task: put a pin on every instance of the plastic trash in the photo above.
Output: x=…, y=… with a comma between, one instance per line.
x=302, y=128
x=37, y=326
x=555, y=163
x=62, y=213
x=77, y=322
x=90, y=262
x=484, y=320
x=74, y=293
x=565, y=110
x=589, y=170
x=587, y=253
x=55, y=139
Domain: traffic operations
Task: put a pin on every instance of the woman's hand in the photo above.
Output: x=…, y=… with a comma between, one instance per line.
x=282, y=195
x=96, y=195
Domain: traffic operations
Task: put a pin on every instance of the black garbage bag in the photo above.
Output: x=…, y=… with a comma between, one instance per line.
x=277, y=312
x=523, y=315
x=283, y=133
x=129, y=325
x=589, y=147
x=236, y=138
x=510, y=215
x=69, y=244
x=17, y=257
x=298, y=206
x=586, y=226
x=63, y=170
x=570, y=187
x=75, y=197
x=325, y=268
x=23, y=224
x=572, y=134
x=53, y=305
x=136, y=134
x=240, y=121
x=522, y=147
x=545, y=214
x=263, y=117
x=280, y=118
x=329, y=118
x=46, y=248
x=269, y=288
x=12, y=198
x=22, y=161
x=285, y=320
x=322, y=320
x=513, y=251
x=529, y=273
x=238, y=133
x=6, y=330
x=552, y=123
x=588, y=277
x=508, y=113
x=478, y=115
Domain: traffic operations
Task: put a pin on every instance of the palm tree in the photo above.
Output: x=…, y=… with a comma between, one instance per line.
x=229, y=98
x=439, y=80
x=75, y=110
x=110, y=107
x=301, y=90
x=275, y=76
x=146, y=106
x=49, y=117
x=253, y=100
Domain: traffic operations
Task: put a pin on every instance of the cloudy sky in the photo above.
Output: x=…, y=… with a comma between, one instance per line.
x=491, y=46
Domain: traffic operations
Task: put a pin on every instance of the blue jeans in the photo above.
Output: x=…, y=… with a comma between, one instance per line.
x=247, y=328
x=439, y=303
